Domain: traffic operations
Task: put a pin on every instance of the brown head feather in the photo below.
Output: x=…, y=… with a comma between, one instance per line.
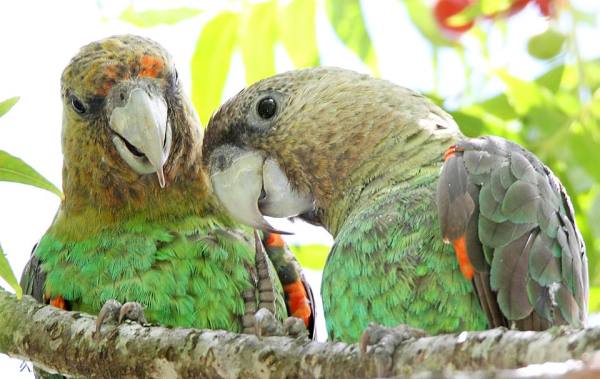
x=94, y=175
x=379, y=122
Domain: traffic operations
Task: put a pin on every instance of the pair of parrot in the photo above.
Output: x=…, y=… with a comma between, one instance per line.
x=138, y=223
x=432, y=229
x=378, y=165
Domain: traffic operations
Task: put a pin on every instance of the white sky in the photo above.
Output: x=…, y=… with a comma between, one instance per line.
x=38, y=38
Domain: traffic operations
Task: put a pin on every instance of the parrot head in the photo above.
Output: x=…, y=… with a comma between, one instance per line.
x=290, y=145
x=127, y=127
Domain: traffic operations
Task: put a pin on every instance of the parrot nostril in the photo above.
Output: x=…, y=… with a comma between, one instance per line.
x=122, y=96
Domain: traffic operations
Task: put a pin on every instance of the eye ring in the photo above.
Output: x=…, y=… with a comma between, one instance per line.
x=266, y=107
x=78, y=105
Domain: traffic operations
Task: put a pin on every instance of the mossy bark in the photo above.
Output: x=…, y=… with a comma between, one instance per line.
x=65, y=342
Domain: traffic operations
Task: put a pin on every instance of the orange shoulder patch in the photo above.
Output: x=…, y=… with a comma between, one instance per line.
x=460, y=248
x=59, y=302
x=275, y=240
x=451, y=151
x=297, y=299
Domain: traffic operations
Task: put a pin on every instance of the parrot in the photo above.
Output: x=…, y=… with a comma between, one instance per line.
x=138, y=224
x=431, y=229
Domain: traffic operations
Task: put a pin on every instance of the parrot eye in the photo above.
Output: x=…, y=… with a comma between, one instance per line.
x=266, y=107
x=78, y=106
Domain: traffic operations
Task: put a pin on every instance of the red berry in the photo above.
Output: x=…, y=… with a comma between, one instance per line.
x=517, y=6
x=546, y=7
x=444, y=9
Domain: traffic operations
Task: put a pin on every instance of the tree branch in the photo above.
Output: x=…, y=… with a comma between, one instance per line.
x=65, y=342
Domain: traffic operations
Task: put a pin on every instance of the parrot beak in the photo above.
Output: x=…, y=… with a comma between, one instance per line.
x=280, y=199
x=142, y=135
x=236, y=176
x=249, y=185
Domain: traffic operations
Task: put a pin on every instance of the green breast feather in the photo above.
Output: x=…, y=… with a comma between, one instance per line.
x=389, y=264
x=190, y=273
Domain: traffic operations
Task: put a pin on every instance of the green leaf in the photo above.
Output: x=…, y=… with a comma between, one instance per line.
x=311, y=256
x=522, y=95
x=13, y=169
x=546, y=45
x=148, y=19
x=211, y=61
x=297, y=30
x=7, y=274
x=471, y=126
x=552, y=78
x=348, y=22
x=594, y=299
x=257, y=39
x=584, y=148
x=500, y=107
x=7, y=104
x=422, y=16
x=593, y=217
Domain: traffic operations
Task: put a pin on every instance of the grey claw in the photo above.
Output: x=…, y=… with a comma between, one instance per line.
x=112, y=310
x=386, y=338
x=109, y=312
x=295, y=328
x=133, y=311
x=266, y=324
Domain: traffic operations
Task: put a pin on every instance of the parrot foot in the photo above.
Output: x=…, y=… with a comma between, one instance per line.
x=265, y=324
x=294, y=327
x=114, y=311
x=383, y=342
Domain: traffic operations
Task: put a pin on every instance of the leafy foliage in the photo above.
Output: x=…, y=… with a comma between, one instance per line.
x=256, y=30
x=347, y=20
x=213, y=53
x=7, y=274
x=13, y=169
x=7, y=104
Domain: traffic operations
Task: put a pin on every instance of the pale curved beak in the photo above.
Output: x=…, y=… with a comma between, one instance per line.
x=236, y=175
x=280, y=199
x=249, y=185
x=142, y=135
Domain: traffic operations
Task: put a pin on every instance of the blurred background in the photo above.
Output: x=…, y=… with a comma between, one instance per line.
x=527, y=70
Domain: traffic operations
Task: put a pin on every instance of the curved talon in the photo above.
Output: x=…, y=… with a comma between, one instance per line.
x=133, y=311
x=294, y=327
x=387, y=338
x=109, y=311
x=266, y=324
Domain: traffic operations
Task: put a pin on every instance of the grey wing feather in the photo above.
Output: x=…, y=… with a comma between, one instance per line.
x=522, y=240
x=33, y=278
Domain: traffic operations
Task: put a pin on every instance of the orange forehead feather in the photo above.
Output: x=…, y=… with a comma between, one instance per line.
x=151, y=66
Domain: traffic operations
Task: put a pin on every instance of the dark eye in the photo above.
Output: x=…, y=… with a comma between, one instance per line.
x=78, y=105
x=266, y=107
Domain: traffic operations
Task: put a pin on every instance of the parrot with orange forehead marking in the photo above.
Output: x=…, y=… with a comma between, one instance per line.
x=138, y=222
x=383, y=169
